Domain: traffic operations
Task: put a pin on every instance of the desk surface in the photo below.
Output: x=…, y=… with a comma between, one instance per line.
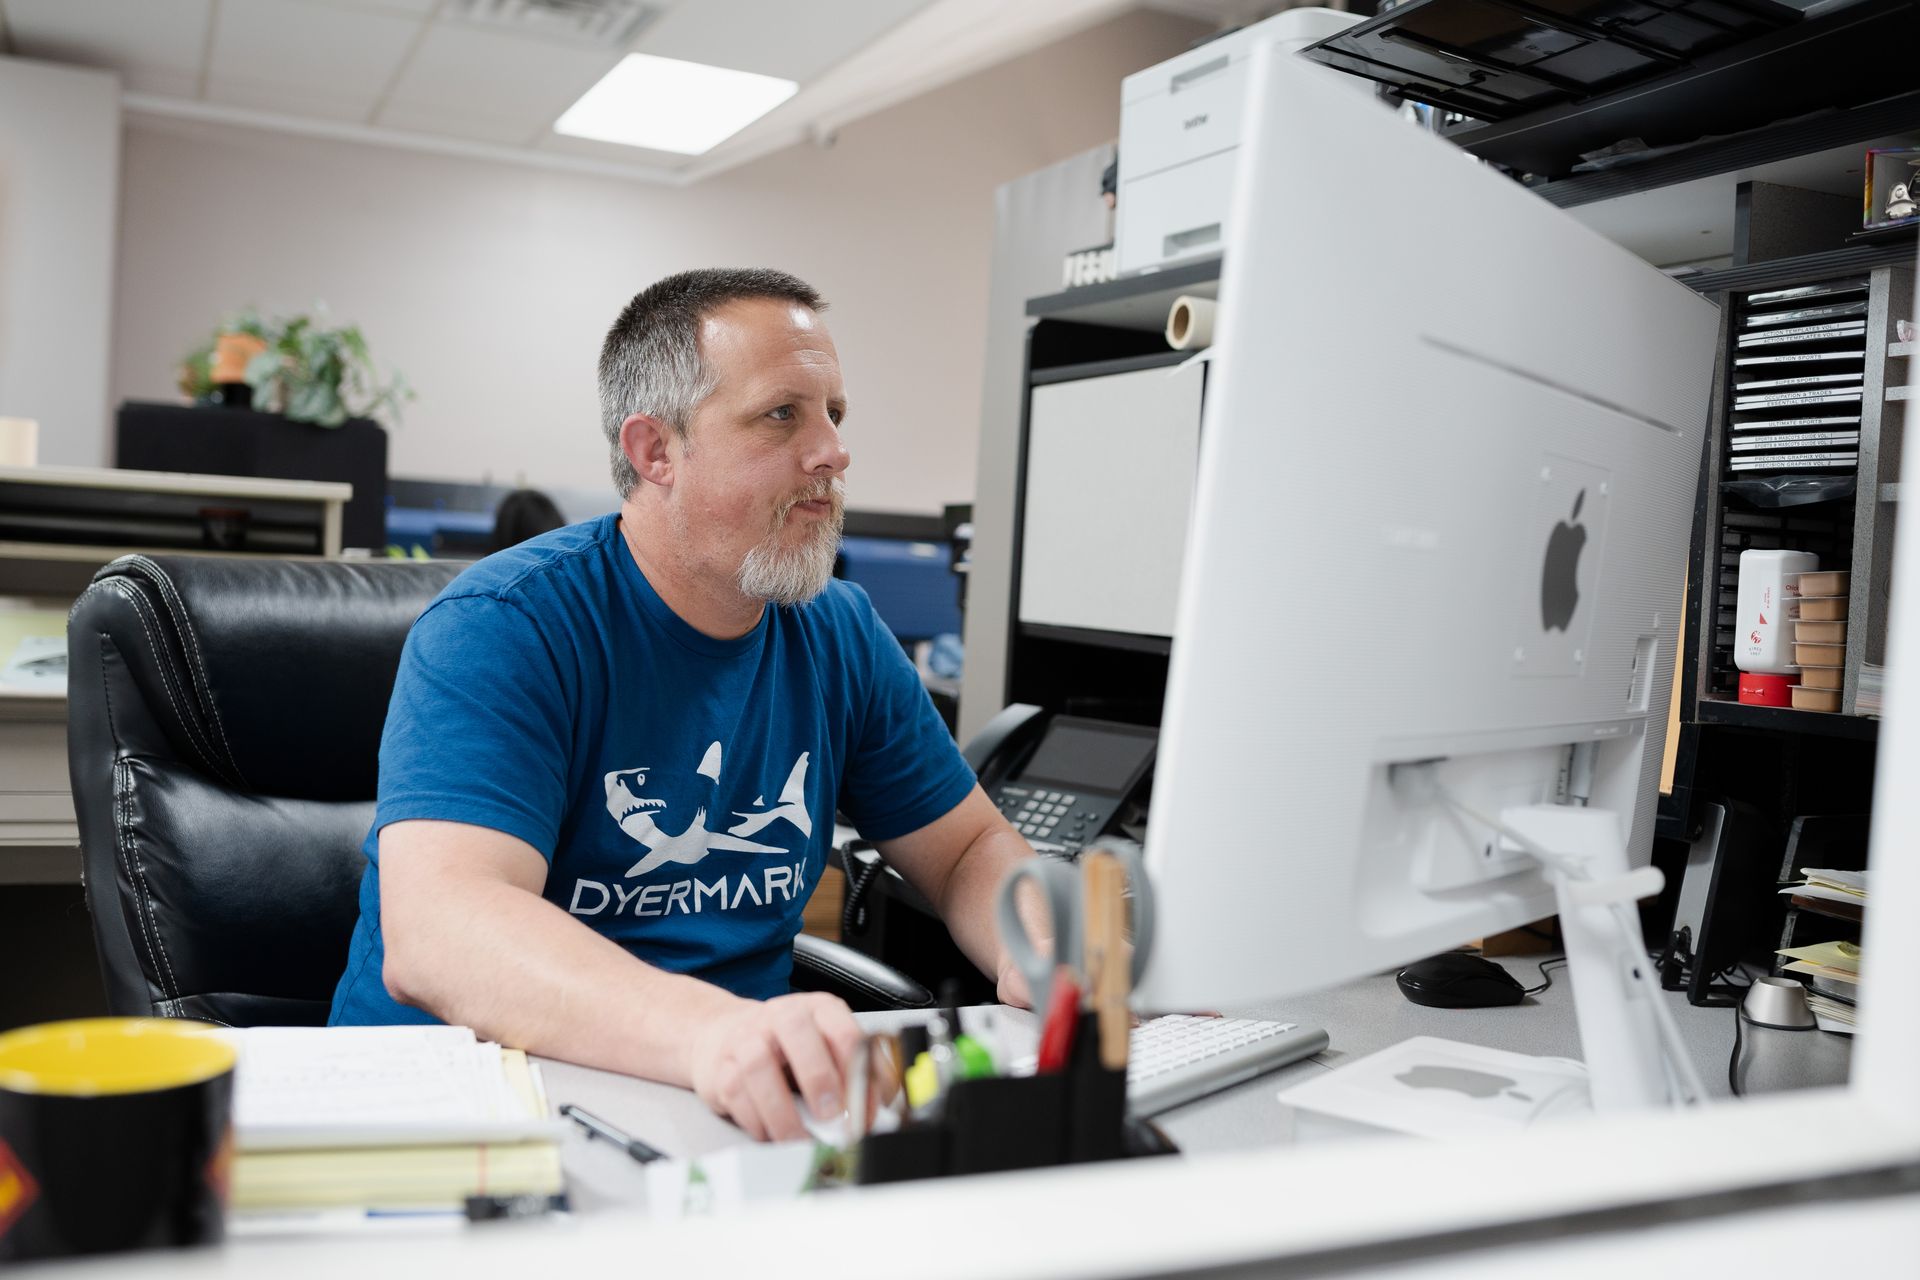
x=1361, y=1018
x=1212, y=1207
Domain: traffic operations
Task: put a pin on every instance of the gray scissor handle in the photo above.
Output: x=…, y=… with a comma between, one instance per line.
x=1059, y=883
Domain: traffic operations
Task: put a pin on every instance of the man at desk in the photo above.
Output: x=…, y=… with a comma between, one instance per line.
x=613, y=755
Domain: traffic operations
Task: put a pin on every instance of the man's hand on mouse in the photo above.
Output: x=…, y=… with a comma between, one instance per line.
x=745, y=1064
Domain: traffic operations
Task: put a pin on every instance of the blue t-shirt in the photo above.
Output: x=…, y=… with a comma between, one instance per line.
x=682, y=788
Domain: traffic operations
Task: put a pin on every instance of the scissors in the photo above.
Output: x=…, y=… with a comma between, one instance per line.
x=1059, y=883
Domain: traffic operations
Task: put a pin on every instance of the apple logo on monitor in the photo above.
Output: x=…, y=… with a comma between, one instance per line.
x=1559, y=577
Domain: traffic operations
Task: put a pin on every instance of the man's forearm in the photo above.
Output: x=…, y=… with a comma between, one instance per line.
x=967, y=904
x=537, y=979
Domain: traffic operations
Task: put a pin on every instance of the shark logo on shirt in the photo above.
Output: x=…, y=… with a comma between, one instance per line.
x=638, y=815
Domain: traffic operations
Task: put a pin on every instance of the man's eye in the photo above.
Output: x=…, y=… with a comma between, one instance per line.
x=783, y=414
x=838, y=416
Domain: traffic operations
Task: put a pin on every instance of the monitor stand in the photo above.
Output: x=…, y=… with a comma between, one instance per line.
x=1632, y=1049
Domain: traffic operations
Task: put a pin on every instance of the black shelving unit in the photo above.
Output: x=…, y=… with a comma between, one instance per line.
x=1786, y=719
x=1537, y=83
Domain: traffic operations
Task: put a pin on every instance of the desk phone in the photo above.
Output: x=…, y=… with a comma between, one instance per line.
x=1062, y=781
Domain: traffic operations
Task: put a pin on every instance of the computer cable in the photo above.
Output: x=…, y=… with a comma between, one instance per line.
x=1739, y=1020
x=860, y=877
x=1546, y=979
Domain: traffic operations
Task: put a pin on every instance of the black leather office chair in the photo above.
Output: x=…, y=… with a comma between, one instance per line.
x=223, y=735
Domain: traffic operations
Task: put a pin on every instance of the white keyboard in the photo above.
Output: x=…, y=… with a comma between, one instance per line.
x=1177, y=1058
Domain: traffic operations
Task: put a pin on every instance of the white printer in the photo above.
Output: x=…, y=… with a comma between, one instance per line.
x=1179, y=131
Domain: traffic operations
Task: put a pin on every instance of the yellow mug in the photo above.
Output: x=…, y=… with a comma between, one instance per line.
x=115, y=1133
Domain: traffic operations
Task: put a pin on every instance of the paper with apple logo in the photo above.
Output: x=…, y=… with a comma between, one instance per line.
x=1434, y=1088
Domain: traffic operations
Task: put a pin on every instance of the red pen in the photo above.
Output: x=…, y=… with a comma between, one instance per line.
x=1063, y=1019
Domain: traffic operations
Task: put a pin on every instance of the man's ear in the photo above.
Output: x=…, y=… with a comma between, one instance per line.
x=651, y=446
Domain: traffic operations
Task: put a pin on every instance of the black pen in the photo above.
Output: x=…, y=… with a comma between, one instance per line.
x=598, y=1128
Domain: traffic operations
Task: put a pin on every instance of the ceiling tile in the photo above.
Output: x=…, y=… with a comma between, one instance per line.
x=413, y=8
x=774, y=37
x=286, y=98
x=161, y=83
x=470, y=125
x=507, y=80
x=161, y=35
x=307, y=46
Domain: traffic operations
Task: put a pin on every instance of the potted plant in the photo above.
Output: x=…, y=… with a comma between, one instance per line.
x=215, y=372
x=292, y=365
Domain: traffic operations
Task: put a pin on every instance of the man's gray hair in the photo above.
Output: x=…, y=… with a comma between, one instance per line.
x=650, y=362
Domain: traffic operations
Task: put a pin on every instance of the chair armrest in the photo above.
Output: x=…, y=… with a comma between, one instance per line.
x=863, y=982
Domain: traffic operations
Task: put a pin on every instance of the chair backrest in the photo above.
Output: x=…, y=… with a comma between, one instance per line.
x=224, y=721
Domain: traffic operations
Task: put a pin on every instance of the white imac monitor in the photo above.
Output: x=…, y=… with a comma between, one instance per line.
x=1446, y=479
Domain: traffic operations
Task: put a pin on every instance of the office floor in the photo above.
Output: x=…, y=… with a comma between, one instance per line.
x=53, y=973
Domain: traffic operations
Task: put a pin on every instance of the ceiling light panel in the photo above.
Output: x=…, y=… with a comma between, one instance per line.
x=669, y=105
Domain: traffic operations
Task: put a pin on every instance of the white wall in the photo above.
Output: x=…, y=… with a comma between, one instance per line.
x=59, y=180
x=491, y=285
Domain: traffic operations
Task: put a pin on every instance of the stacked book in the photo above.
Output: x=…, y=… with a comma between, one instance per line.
x=1799, y=373
x=385, y=1119
x=1873, y=689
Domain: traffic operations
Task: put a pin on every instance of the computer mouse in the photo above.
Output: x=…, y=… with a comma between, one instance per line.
x=1458, y=980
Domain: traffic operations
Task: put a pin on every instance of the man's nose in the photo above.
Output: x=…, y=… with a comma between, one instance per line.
x=826, y=451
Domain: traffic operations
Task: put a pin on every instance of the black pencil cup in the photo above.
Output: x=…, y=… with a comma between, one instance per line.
x=1016, y=1122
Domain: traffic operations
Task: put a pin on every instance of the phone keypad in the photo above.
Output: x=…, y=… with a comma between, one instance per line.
x=1060, y=820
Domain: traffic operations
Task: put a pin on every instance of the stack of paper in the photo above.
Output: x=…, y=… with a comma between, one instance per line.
x=386, y=1118
x=33, y=652
x=1849, y=888
x=1834, y=970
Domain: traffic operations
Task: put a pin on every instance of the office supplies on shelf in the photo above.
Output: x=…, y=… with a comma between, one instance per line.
x=1190, y=323
x=1831, y=885
x=1828, y=959
x=1762, y=638
x=1873, y=685
x=1179, y=1057
x=598, y=1128
x=1801, y=439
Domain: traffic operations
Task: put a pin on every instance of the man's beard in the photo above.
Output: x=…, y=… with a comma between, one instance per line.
x=795, y=575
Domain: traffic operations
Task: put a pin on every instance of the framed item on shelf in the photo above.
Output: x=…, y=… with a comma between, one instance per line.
x=1892, y=196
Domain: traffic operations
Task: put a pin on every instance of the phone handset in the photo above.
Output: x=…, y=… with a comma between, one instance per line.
x=1004, y=740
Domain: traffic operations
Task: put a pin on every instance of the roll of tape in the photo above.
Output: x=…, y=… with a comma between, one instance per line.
x=1190, y=323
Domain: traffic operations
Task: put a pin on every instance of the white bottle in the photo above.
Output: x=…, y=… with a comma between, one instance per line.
x=1762, y=636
